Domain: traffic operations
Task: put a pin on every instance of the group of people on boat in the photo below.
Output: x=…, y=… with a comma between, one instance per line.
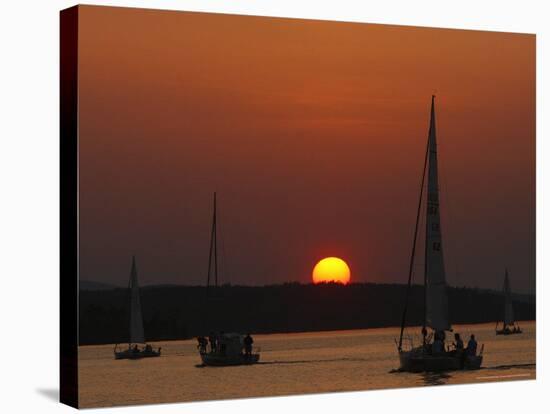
x=508, y=330
x=217, y=345
x=147, y=349
x=437, y=346
x=134, y=351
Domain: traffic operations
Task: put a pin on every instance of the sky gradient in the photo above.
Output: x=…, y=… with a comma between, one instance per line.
x=313, y=135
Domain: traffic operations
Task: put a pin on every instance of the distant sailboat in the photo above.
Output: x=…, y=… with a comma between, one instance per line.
x=226, y=348
x=509, y=325
x=136, y=335
x=436, y=312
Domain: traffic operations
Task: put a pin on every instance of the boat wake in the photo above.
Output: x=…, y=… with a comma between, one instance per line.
x=312, y=361
x=509, y=366
x=532, y=365
x=303, y=361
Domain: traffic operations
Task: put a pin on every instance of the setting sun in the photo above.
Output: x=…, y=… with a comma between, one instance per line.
x=331, y=269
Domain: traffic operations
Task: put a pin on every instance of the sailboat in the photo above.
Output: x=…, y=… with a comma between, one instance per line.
x=136, y=333
x=226, y=348
x=509, y=326
x=427, y=357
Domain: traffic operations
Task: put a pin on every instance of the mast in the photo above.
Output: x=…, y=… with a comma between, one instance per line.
x=435, y=285
x=431, y=141
x=508, y=307
x=411, y=262
x=136, y=320
x=213, y=253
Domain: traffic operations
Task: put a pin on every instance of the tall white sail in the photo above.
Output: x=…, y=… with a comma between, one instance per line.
x=436, y=287
x=508, y=308
x=136, y=320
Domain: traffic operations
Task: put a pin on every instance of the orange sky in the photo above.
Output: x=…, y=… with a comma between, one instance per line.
x=313, y=135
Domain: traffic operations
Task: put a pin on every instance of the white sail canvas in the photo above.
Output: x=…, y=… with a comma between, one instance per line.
x=136, y=320
x=436, y=287
x=508, y=308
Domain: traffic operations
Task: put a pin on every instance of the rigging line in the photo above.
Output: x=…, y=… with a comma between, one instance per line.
x=215, y=241
x=411, y=264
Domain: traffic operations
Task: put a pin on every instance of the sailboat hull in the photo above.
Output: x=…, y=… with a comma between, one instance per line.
x=508, y=332
x=414, y=361
x=217, y=360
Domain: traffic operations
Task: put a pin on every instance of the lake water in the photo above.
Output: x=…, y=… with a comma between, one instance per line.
x=314, y=362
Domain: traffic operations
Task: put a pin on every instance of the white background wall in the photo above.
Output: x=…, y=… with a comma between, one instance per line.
x=29, y=193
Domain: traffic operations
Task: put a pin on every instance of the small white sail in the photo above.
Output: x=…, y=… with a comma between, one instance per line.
x=136, y=320
x=508, y=308
x=436, y=287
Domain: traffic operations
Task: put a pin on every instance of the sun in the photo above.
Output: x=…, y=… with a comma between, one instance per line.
x=331, y=269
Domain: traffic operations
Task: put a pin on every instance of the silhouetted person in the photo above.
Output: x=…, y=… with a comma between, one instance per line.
x=222, y=346
x=459, y=343
x=424, y=332
x=213, y=344
x=425, y=339
x=459, y=349
x=437, y=346
x=472, y=346
x=135, y=349
x=202, y=343
x=248, y=341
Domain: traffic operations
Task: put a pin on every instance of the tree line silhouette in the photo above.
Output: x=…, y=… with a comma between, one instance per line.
x=181, y=312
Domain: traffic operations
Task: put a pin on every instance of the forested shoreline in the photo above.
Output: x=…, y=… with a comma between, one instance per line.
x=180, y=312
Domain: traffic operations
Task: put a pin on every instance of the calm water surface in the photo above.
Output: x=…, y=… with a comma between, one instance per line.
x=299, y=363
